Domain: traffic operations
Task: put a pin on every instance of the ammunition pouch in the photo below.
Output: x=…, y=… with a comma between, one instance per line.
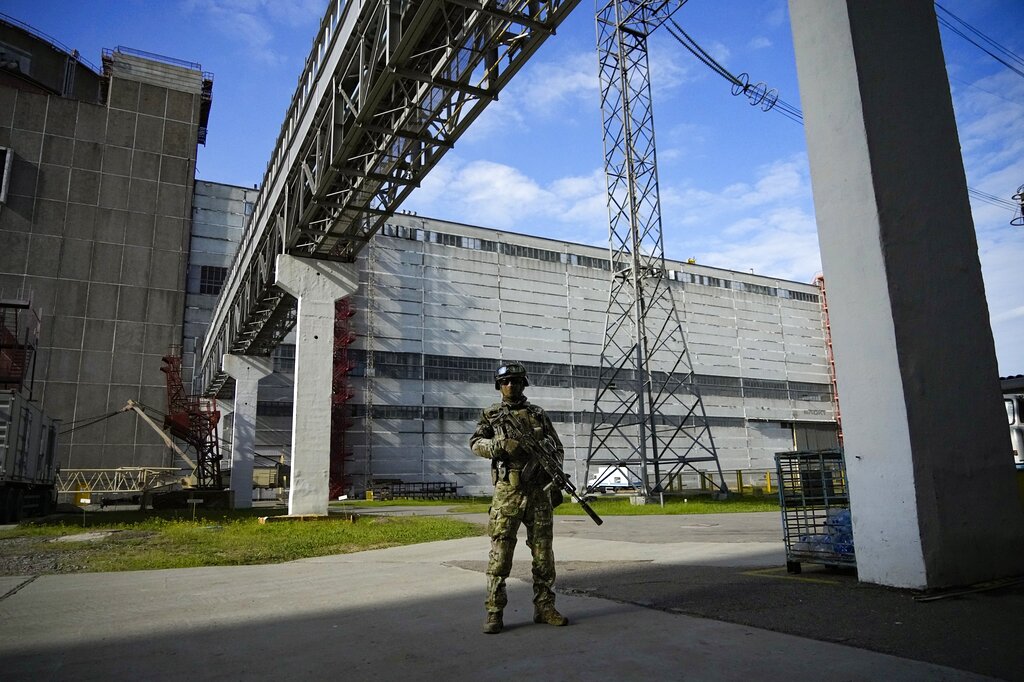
x=501, y=471
x=530, y=470
x=556, y=496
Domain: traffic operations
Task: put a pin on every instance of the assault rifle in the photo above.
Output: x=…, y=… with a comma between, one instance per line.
x=546, y=454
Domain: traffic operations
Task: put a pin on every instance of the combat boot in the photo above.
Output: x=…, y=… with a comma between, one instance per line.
x=493, y=625
x=546, y=613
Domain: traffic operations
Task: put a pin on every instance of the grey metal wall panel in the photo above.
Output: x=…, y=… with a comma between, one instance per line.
x=467, y=302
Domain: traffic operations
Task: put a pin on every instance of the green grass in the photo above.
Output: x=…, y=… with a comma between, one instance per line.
x=161, y=540
x=179, y=539
x=460, y=505
x=455, y=503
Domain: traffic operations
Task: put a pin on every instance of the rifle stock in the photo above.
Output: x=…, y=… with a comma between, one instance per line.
x=547, y=456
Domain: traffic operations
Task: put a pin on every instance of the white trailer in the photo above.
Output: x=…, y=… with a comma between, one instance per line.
x=611, y=479
x=28, y=470
x=1015, y=418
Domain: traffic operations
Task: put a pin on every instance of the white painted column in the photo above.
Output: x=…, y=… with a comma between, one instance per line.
x=931, y=481
x=246, y=370
x=226, y=409
x=317, y=284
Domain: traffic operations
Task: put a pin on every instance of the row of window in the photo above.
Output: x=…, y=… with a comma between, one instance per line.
x=212, y=277
x=466, y=414
x=471, y=414
x=415, y=366
x=432, y=237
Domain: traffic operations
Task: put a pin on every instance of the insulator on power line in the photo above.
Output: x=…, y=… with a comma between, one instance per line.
x=759, y=95
x=741, y=84
x=1019, y=198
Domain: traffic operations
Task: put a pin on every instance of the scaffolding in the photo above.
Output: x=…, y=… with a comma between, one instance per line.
x=820, y=281
x=341, y=395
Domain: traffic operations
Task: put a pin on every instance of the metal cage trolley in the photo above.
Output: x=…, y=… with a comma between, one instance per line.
x=815, y=503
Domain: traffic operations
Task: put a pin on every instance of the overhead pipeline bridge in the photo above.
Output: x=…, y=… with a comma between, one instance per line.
x=387, y=89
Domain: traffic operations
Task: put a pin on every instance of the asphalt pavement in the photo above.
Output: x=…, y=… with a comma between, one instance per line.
x=667, y=597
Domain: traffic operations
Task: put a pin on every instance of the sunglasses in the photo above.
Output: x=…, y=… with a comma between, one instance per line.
x=505, y=382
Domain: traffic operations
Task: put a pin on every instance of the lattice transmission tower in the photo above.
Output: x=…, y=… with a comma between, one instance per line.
x=648, y=418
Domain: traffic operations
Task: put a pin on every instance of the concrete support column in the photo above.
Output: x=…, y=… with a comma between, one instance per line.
x=226, y=409
x=930, y=476
x=246, y=370
x=317, y=284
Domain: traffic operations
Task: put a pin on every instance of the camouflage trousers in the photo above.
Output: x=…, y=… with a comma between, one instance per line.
x=510, y=507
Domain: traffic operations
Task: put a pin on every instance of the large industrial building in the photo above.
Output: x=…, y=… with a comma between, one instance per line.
x=108, y=233
x=442, y=304
x=94, y=227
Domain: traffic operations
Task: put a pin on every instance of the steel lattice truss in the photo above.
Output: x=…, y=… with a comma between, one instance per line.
x=120, y=480
x=388, y=88
x=648, y=417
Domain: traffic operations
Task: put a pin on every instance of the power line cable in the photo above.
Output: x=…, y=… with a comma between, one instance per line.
x=1010, y=57
x=769, y=100
x=86, y=419
x=759, y=94
x=83, y=423
x=992, y=199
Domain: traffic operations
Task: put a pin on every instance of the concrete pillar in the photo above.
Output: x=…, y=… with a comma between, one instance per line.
x=246, y=370
x=317, y=284
x=226, y=408
x=931, y=480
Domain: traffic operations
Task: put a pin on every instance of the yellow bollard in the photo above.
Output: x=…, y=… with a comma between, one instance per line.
x=768, y=482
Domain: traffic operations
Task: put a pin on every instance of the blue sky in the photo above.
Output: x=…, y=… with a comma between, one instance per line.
x=735, y=186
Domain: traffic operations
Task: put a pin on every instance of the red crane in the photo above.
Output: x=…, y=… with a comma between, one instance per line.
x=193, y=419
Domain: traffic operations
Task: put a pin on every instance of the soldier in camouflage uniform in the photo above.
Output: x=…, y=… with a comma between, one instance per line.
x=519, y=497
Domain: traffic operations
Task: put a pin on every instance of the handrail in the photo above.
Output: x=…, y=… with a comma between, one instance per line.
x=359, y=136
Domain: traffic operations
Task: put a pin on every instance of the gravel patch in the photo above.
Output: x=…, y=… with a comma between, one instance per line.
x=66, y=554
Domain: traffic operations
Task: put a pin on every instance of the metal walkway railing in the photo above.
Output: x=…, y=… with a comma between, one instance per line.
x=387, y=89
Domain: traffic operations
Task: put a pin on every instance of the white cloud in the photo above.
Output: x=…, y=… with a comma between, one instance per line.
x=498, y=195
x=255, y=25
x=1006, y=315
x=759, y=43
x=544, y=91
x=990, y=122
x=765, y=224
x=776, y=15
x=1001, y=256
x=782, y=243
x=555, y=86
x=294, y=12
x=670, y=66
x=719, y=51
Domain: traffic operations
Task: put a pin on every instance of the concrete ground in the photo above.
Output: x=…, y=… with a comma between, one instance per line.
x=670, y=597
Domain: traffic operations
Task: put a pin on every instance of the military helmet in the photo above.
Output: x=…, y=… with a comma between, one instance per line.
x=510, y=370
